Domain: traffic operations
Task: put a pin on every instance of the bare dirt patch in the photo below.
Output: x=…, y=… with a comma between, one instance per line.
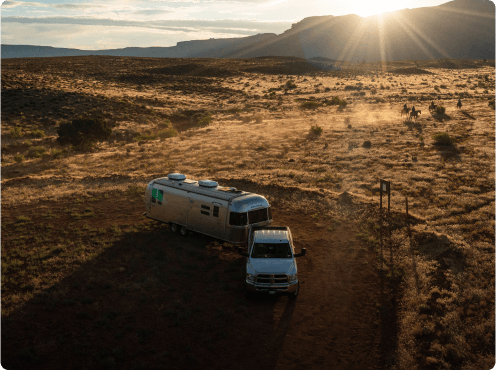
x=143, y=296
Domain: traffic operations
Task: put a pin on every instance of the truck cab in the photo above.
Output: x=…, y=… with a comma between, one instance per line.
x=271, y=261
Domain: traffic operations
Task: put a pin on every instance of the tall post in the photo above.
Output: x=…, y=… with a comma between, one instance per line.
x=389, y=226
x=385, y=188
x=380, y=226
x=417, y=285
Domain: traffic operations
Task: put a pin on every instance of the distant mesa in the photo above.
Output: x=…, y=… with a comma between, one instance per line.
x=459, y=29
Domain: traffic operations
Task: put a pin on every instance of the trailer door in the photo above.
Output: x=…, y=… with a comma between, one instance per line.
x=218, y=221
x=157, y=196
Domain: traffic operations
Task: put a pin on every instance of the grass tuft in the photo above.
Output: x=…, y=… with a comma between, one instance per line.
x=443, y=138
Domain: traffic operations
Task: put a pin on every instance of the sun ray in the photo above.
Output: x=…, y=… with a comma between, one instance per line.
x=382, y=46
x=414, y=32
x=351, y=45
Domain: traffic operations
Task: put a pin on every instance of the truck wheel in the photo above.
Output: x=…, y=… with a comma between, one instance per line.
x=295, y=294
x=183, y=231
x=173, y=227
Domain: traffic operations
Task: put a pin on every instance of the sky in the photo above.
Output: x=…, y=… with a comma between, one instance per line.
x=111, y=24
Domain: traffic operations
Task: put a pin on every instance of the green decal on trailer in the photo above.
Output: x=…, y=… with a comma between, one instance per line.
x=157, y=194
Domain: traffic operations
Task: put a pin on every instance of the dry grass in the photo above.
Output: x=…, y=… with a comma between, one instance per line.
x=259, y=132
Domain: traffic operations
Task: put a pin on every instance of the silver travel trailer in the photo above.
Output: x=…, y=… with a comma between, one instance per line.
x=205, y=207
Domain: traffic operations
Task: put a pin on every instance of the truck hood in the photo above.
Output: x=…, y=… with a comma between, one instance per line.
x=271, y=265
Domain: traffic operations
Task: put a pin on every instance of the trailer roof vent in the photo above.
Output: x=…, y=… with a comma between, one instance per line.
x=208, y=183
x=176, y=176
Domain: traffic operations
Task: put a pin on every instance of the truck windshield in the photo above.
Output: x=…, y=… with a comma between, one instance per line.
x=271, y=250
x=259, y=215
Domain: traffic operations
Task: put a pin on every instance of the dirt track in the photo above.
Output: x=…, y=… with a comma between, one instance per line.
x=334, y=323
x=199, y=318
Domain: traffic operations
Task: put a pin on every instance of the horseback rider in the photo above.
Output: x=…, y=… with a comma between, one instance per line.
x=432, y=103
x=460, y=102
x=413, y=109
x=405, y=107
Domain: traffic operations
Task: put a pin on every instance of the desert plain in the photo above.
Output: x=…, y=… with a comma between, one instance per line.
x=89, y=282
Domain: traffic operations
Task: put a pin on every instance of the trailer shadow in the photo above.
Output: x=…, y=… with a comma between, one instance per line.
x=150, y=299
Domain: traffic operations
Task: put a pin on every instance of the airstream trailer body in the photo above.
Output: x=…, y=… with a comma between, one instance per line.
x=205, y=207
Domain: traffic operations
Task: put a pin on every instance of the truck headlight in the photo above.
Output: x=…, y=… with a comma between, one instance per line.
x=293, y=278
x=250, y=278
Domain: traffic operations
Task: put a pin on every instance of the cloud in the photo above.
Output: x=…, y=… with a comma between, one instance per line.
x=242, y=27
x=76, y=6
x=98, y=37
x=12, y=4
x=151, y=12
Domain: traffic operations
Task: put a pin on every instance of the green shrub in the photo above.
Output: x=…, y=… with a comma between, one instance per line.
x=492, y=104
x=316, y=130
x=234, y=110
x=83, y=132
x=37, y=133
x=166, y=123
x=290, y=84
x=15, y=132
x=19, y=158
x=145, y=137
x=37, y=151
x=440, y=109
x=170, y=132
x=310, y=105
x=204, y=120
x=443, y=138
x=57, y=153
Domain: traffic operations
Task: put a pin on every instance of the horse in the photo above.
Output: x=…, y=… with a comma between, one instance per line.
x=432, y=107
x=415, y=114
x=405, y=112
x=459, y=105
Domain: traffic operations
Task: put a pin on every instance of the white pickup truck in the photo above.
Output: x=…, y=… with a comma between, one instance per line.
x=271, y=261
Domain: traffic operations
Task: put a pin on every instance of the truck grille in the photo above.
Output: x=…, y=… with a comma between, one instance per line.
x=272, y=279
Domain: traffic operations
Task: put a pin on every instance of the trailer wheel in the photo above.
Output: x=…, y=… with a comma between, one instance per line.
x=173, y=227
x=183, y=231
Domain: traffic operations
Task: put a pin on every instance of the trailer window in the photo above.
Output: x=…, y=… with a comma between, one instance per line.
x=157, y=196
x=216, y=211
x=238, y=219
x=205, y=213
x=270, y=213
x=205, y=207
x=259, y=215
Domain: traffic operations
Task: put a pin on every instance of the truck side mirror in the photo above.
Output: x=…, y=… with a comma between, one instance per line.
x=241, y=253
x=303, y=252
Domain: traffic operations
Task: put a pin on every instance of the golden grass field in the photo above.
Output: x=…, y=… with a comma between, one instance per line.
x=270, y=125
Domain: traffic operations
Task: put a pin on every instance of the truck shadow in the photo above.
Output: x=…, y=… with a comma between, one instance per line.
x=149, y=299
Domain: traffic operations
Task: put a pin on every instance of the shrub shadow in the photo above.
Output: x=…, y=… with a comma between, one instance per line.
x=466, y=114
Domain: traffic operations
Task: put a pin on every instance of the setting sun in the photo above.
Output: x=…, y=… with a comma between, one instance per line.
x=368, y=8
